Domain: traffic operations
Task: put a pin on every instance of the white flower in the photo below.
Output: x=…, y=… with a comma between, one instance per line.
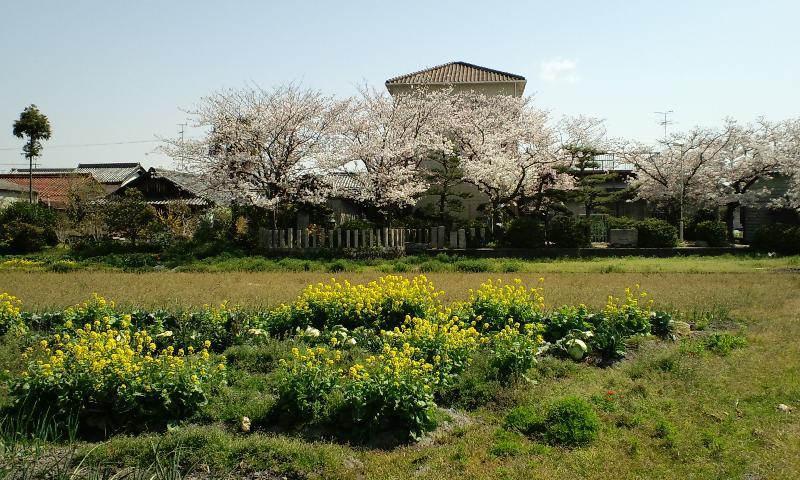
x=312, y=332
x=351, y=341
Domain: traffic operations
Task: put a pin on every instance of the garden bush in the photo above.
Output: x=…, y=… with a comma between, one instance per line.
x=655, y=233
x=26, y=227
x=568, y=231
x=619, y=321
x=514, y=350
x=110, y=377
x=524, y=232
x=494, y=303
x=777, y=237
x=714, y=233
x=384, y=303
x=11, y=319
x=388, y=392
x=571, y=422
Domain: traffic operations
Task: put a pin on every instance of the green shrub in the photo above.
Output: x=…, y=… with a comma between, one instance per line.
x=623, y=223
x=524, y=232
x=568, y=231
x=777, y=237
x=384, y=303
x=661, y=324
x=572, y=422
x=110, y=377
x=475, y=265
x=524, y=420
x=655, y=233
x=724, y=343
x=712, y=232
x=564, y=320
x=10, y=317
x=514, y=350
x=494, y=303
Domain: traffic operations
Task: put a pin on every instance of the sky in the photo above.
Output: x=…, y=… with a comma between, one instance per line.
x=124, y=73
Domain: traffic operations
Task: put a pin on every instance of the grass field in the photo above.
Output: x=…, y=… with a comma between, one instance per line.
x=678, y=410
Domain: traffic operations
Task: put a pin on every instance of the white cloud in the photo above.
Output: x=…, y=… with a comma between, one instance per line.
x=559, y=70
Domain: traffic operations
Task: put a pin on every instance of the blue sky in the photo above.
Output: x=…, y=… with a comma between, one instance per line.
x=118, y=71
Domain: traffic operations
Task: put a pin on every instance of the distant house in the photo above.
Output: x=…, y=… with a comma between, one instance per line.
x=763, y=212
x=53, y=188
x=110, y=175
x=162, y=187
x=11, y=192
x=460, y=76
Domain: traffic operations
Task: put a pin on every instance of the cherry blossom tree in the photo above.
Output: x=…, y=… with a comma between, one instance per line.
x=683, y=168
x=263, y=147
x=755, y=152
x=507, y=150
x=384, y=142
x=790, y=163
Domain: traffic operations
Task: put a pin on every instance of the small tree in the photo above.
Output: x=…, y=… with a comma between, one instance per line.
x=85, y=208
x=128, y=215
x=32, y=124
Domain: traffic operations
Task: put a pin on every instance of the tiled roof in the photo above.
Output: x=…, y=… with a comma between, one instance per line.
x=194, y=184
x=117, y=173
x=105, y=173
x=344, y=182
x=12, y=187
x=53, y=189
x=455, y=72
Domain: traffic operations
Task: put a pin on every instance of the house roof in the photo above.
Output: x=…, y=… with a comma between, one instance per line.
x=117, y=173
x=191, y=183
x=105, y=173
x=455, y=72
x=53, y=188
x=11, y=186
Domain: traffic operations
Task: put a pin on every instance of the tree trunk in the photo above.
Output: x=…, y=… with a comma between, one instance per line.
x=730, y=208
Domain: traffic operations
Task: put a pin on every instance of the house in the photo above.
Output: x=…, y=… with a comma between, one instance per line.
x=54, y=188
x=763, y=212
x=110, y=175
x=11, y=192
x=460, y=76
x=162, y=187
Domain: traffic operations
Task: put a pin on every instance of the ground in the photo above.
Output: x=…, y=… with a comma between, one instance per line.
x=676, y=410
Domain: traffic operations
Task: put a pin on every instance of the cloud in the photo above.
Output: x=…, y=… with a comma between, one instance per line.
x=559, y=70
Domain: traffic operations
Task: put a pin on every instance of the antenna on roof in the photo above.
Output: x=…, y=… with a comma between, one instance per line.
x=183, y=127
x=666, y=121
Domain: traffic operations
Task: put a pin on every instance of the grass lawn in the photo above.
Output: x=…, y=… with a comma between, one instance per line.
x=677, y=409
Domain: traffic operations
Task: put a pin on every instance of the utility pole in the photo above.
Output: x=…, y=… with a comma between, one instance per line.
x=682, y=194
x=183, y=129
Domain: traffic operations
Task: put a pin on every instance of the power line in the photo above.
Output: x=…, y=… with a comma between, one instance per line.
x=89, y=144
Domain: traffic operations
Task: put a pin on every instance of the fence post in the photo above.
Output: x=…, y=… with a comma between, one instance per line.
x=441, y=234
x=338, y=238
x=453, y=239
x=355, y=238
x=483, y=237
x=462, y=238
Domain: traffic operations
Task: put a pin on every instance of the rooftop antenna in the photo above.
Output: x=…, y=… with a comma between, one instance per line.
x=183, y=129
x=666, y=121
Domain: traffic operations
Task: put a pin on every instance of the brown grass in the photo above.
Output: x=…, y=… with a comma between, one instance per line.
x=43, y=291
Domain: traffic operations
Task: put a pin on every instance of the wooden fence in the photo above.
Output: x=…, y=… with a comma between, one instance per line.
x=379, y=238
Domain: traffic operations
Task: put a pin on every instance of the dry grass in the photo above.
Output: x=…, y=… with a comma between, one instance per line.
x=43, y=290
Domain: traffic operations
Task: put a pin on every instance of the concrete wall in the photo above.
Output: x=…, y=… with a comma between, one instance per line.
x=7, y=197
